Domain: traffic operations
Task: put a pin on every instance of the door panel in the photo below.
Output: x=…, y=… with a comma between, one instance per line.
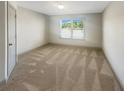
x=11, y=39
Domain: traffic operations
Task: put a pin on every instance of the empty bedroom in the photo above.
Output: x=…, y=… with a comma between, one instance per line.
x=61, y=45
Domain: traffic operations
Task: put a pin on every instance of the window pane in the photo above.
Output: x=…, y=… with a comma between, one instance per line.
x=78, y=34
x=66, y=23
x=77, y=23
x=65, y=33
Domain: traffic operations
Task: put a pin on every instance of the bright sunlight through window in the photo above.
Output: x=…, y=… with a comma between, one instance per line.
x=72, y=29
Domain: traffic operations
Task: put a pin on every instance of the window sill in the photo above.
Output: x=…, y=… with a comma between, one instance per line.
x=72, y=39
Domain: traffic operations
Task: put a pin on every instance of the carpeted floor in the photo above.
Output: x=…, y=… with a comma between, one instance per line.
x=59, y=67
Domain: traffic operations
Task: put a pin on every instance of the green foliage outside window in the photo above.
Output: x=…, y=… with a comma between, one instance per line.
x=76, y=23
x=66, y=25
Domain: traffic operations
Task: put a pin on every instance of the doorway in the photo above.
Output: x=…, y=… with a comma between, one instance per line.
x=11, y=39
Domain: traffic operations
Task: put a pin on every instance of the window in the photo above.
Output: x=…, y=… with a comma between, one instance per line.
x=72, y=28
x=66, y=28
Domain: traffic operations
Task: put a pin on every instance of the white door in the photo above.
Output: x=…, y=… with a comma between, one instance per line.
x=11, y=39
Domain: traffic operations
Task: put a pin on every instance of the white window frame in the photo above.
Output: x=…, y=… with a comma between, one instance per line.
x=83, y=29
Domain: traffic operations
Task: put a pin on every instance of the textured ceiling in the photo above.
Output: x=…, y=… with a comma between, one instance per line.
x=70, y=7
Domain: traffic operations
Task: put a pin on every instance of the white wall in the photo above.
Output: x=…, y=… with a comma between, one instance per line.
x=14, y=4
x=113, y=35
x=31, y=30
x=3, y=40
x=93, y=28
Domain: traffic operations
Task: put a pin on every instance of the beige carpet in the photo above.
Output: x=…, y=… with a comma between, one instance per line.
x=59, y=67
